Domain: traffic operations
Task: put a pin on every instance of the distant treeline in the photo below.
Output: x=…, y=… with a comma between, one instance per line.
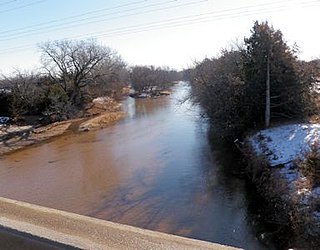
x=144, y=77
x=73, y=73
x=258, y=82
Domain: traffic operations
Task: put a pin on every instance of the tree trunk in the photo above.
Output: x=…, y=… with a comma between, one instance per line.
x=267, y=112
x=76, y=96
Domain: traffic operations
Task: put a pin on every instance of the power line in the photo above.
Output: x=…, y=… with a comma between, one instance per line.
x=171, y=23
x=8, y=2
x=92, y=12
x=167, y=25
x=32, y=32
x=57, y=26
x=190, y=22
x=72, y=17
x=22, y=6
x=198, y=17
x=18, y=48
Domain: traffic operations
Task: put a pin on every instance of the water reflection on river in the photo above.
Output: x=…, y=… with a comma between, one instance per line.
x=154, y=169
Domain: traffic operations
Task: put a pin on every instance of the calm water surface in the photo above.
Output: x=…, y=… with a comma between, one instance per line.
x=155, y=170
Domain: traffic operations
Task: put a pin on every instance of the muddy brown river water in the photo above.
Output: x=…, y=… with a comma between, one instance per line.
x=155, y=169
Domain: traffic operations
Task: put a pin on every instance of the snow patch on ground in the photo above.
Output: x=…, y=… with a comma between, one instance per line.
x=102, y=100
x=283, y=144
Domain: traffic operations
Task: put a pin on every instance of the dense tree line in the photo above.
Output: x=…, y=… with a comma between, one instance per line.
x=250, y=86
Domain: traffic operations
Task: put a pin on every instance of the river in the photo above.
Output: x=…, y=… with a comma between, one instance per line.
x=154, y=169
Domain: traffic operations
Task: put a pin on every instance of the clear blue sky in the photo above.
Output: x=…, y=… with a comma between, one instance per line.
x=166, y=32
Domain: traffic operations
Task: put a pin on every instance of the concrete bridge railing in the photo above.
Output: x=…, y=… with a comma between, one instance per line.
x=87, y=233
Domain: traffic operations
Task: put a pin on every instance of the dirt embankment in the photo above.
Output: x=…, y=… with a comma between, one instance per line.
x=16, y=137
x=101, y=121
x=100, y=113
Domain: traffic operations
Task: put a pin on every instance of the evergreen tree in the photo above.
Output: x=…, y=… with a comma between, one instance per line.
x=246, y=88
x=268, y=55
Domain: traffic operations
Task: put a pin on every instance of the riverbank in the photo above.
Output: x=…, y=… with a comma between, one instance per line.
x=150, y=94
x=278, y=159
x=100, y=113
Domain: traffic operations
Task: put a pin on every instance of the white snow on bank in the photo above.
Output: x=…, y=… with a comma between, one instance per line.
x=285, y=143
x=281, y=146
x=102, y=100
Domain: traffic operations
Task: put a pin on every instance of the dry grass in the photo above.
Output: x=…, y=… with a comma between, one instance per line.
x=270, y=185
x=309, y=166
x=283, y=206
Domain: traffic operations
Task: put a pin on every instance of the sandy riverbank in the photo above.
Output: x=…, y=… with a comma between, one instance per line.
x=101, y=113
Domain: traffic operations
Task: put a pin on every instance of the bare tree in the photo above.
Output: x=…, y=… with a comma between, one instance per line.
x=74, y=64
x=113, y=77
x=141, y=77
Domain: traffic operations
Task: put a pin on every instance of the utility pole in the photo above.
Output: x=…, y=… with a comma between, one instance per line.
x=267, y=112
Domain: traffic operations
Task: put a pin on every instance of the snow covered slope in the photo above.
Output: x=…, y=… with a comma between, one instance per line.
x=285, y=143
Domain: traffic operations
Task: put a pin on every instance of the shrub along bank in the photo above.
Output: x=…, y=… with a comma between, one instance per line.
x=284, y=165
